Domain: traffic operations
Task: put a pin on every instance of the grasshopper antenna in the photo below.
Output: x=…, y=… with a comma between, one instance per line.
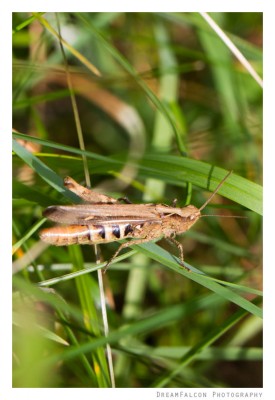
x=215, y=191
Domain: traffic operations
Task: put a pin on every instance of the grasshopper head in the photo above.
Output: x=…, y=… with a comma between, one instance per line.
x=189, y=215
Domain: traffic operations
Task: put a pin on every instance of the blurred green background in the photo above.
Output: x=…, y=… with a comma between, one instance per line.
x=165, y=110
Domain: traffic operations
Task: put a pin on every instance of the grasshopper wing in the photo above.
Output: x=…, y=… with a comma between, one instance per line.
x=84, y=214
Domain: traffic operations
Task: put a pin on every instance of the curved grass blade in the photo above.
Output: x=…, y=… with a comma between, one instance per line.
x=157, y=253
x=76, y=53
x=33, y=229
x=181, y=169
x=164, y=257
x=171, y=169
x=41, y=169
x=25, y=23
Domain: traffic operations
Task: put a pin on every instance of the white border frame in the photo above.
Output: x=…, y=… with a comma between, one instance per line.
x=265, y=6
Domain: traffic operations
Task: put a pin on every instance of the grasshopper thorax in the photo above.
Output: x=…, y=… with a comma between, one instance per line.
x=190, y=214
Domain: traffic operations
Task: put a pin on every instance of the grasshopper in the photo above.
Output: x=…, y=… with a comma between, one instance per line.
x=105, y=219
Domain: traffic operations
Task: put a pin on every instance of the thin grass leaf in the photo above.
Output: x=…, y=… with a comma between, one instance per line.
x=171, y=169
x=86, y=270
x=232, y=47
x=63, y=147
x=181, y=169
x=23, y=239
x=76, y=53
x=41, y=169
x=195, y=275
x=25, y=23
x=157, y=253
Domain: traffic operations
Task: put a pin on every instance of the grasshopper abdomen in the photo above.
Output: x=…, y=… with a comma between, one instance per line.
x=85, y=234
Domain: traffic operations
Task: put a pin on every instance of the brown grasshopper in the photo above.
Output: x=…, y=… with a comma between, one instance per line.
x=104, y=219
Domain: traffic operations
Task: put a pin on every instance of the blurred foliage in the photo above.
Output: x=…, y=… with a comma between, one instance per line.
x=165, y=110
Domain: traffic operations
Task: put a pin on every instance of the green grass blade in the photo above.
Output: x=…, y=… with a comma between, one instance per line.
x=157, y=253
x=166, y=258
x=41, y=169
x=25, y=23
x=175, y=169
x=76, y=53
x=22, y=240
x=171, y=169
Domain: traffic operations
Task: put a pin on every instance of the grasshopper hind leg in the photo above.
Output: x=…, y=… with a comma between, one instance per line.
x=124, y=246
x=146, y=240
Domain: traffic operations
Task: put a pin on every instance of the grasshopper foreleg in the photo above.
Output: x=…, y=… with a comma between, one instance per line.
x=172, y=240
